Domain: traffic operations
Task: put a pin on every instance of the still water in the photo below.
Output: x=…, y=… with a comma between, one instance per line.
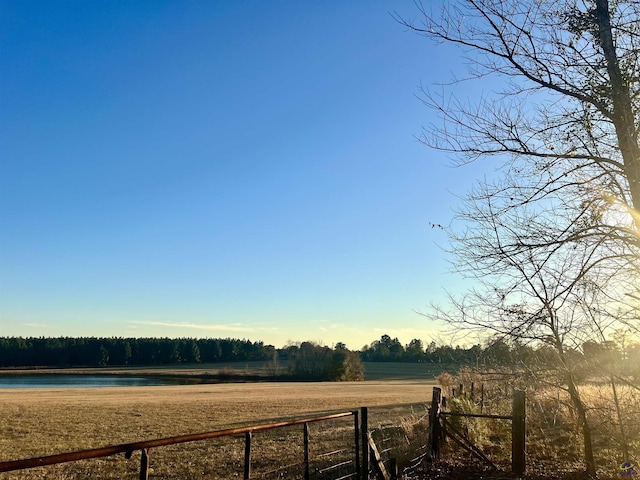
x=77, y=381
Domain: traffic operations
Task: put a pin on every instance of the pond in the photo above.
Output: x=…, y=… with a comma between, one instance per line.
x=81, y=381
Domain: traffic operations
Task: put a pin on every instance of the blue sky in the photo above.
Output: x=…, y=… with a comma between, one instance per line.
x=226, y=168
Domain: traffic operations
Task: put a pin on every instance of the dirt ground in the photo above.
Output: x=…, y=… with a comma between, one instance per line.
x=451, y=471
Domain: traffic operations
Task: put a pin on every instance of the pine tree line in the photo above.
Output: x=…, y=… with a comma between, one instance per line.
x=102, y=352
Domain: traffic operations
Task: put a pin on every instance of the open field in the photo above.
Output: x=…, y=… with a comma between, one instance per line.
x=48, y=421
x=407, y=371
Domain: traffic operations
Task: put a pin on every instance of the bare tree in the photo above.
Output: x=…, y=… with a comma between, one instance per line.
x=555, y=235
x=565, y=126
x=528, y=297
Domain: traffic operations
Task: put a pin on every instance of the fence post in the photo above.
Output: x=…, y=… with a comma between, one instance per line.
x=434, y=422
x=356, y=431
x=247, y=455
x=306, y=451
x=393, y=468
x=364, y=431
x=518, y=433
x=144, y=464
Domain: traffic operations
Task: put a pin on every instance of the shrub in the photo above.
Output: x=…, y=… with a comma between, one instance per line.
x=310, y=361
x=445, y=380
x=475, y=429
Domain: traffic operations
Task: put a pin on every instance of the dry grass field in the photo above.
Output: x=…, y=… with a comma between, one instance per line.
x=46, y=421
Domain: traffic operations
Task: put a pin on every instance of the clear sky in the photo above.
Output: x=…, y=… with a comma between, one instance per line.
x=241, y=169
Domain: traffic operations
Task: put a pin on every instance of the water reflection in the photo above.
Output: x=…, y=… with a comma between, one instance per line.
x=78, y=381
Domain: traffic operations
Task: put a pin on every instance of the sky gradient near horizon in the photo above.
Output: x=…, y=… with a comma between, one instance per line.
x=220, y=169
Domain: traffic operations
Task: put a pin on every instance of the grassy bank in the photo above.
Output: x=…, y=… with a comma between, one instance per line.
x=374, y=371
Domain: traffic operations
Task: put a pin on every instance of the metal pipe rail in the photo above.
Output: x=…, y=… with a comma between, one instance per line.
x=129, y=448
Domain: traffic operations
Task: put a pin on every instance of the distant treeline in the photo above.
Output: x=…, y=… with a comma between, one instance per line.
x=102, y=352
x=306, y=359
x=92, y=351
x=389, y=349
x=588, y=359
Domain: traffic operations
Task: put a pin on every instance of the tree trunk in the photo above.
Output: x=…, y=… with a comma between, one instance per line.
x=623, y=436
x=574, y=394
x=623, y=115
x=576, y=400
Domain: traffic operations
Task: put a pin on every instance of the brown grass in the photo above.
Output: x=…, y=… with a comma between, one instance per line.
x=554, y=440
x=43, y=422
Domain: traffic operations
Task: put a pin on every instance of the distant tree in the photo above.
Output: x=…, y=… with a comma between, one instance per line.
x=414, y=350
x=273, y=367
x=396, y=350
x=310, y=361
x=126, y=352
x=380, y=348
x=102, y=357
x=171, y=352
x=210, y=350
x=346, y=366
x=120, y=350
x=443, y=354
x=190, y=351
x=497, y=352
x=386, y=349
x=230, y=349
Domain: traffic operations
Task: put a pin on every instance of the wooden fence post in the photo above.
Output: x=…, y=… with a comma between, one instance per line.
x=306, y=451
x=356, y=431
x=144, y=464
x=247, y=455
x=364, y=431
x=393, y=469
x=434, y=422
x=518, y=433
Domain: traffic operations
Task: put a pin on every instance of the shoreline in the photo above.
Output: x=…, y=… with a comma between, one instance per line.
x=238, y=372
x=185, y=376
